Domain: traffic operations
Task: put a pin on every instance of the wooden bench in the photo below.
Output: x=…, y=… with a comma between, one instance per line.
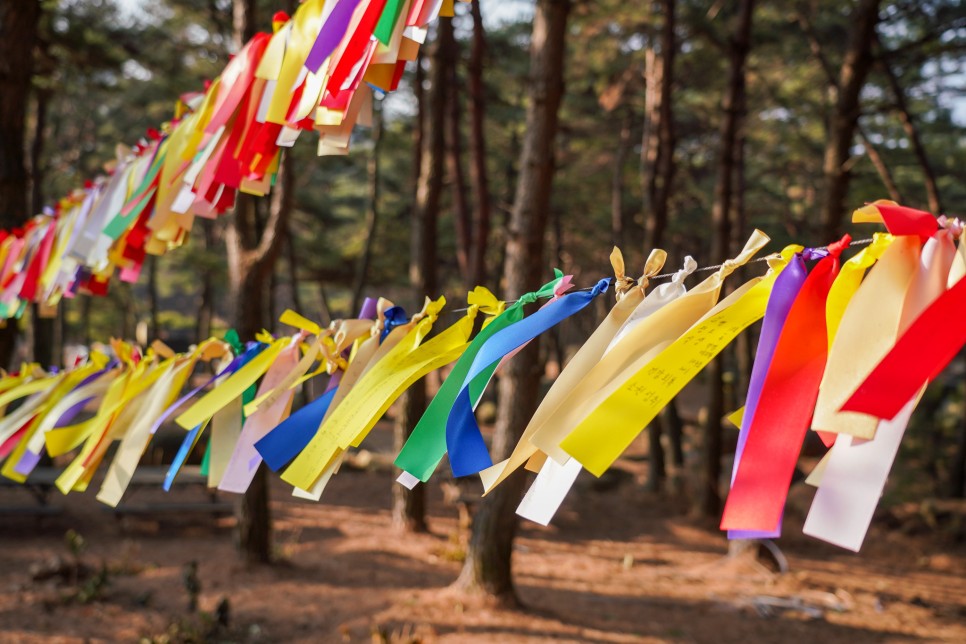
x=153, y=477
x=41, y=483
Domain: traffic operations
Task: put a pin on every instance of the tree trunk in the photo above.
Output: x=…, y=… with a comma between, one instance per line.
x=659, y=147
x=479, y=176
x=617, y=215
x=845, y=115
x=487, y=568
x=293, y=273
x=44, y=328
x=453, y=120
x=206, y=307
x=419, y=132
x=721, y=222
x=409, y=506
x=372, y=214
x=252, y=250
x=254, y=516
x=251, y=261
x=19, y=20
x=244, y=21
x=657, y=154
x=675, y=428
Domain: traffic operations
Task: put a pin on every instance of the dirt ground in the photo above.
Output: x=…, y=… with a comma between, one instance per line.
x=617, y=565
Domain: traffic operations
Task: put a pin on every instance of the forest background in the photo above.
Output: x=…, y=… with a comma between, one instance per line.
x=681, y=124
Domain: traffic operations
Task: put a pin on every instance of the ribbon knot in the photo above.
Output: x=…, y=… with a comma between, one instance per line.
x=729, y=266
x=690, y=265
x=482, y=298
x=953, y=224
x=565, y=284
x=393, y=316
x=431, y=310
x=622, y=283
x=836, y=248
x=653, y=265
x=812, y=254
x=600, y=287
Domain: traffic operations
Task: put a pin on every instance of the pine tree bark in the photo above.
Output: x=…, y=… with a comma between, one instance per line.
x=19, y=20
x=45, y=347
x=657, y=155
x=409, y=511
x=293, y=274
x=479, y=176
x=721, y=220
x=488, y=565
x=453, y=119
x=251, y=262
x=845, y=115
x=660, y=129
x=618, y=218
x=409, y=506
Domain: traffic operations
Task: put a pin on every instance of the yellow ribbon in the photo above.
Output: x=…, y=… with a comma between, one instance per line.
x=378, y=388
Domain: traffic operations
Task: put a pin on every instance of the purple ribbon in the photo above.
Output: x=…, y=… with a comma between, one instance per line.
x=331, y=34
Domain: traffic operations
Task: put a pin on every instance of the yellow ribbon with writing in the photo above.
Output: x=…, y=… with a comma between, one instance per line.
x=635, y=349
x=610, y=428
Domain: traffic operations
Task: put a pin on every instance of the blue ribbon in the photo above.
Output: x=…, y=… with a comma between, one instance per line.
x=468, y=453
x=181, y=456
x=290, y=437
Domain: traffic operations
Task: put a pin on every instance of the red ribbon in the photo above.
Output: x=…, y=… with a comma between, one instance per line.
x=785, y=408
x=901, y=220
x=928, y=345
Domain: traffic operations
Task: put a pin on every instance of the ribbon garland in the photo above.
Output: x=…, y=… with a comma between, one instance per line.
x=317, y=71
x=646, y=349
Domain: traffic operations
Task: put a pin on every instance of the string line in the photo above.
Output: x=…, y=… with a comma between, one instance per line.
x=702, y=269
